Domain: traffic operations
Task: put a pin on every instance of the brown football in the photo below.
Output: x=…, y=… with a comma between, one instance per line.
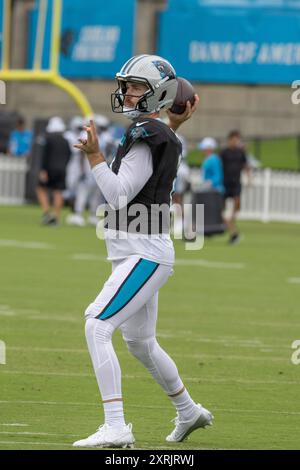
x=185, y=92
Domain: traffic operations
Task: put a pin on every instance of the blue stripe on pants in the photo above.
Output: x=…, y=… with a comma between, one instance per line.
x=136, y=279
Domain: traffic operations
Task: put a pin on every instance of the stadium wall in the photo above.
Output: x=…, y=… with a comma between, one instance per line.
x=256, y=110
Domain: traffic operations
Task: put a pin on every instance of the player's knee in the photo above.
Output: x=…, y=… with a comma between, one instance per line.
x=141, y=349
x=89, y=328
x=98, y=330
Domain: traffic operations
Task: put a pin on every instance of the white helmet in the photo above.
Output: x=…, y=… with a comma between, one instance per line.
x=76, y=123
x=208, y=143
x=157, y=74
x=101, y=121
x=55, y=124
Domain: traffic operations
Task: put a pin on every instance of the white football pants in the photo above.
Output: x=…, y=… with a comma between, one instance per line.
x=129, y=301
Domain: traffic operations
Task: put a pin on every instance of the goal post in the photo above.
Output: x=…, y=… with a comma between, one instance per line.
x=52, y=75
x=5, y=15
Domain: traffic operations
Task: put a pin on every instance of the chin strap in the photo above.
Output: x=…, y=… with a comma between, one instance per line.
x=131, y=113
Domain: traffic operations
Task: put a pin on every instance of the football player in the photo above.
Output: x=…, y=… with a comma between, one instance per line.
x=140, y=181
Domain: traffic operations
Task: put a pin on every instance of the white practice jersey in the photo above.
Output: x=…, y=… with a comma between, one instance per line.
x=135, y=170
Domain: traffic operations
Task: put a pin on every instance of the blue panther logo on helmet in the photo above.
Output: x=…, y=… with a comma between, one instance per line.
x=164, y=69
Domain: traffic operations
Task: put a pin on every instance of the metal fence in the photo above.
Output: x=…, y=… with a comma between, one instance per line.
x=12, y=180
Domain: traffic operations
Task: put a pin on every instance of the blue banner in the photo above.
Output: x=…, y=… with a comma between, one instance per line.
x=192, y=4
x=232, y=45
x=97, y=37
x=1, y=29
x=97, y=44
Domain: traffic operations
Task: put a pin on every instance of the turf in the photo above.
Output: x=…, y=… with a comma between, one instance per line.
x=229, y=327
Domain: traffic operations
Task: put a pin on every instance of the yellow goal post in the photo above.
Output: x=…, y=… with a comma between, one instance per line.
x=52, y=75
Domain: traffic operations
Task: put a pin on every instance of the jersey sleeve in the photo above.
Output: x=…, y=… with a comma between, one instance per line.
x=136, y=169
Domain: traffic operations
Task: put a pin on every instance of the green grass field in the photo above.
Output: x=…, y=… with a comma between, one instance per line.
x=228, y=317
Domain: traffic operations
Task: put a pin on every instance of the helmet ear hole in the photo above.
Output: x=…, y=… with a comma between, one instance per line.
x=163, y=96
x=143, y=105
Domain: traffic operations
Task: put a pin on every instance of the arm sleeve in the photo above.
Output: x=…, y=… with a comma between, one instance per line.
x=135, y=170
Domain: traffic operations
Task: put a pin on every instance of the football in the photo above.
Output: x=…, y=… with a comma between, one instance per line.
x=185, y=92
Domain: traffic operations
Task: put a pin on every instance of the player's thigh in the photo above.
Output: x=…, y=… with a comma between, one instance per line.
x=131, y=285
x=142, y=324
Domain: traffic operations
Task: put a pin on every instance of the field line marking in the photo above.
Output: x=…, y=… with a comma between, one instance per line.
x=293, y=280
x=216, y=408
x=56, y=444
x=26, y=245
x=27, y=433
x=88, y=257
x=174, y=354
x=178, y=261
x=213, y=380
x=17, y=425
x=36, y=315
x=226, y=341
x=209, y=264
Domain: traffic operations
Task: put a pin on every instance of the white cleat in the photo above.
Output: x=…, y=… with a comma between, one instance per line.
x=182, y=429
x=109, y=436
x=76, y=219
x=93, y=220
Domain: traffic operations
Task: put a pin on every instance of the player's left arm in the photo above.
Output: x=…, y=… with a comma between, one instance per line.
x=135, y=170
x=175, y=120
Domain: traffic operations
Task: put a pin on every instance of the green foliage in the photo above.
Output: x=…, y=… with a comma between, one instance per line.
x=276, y=154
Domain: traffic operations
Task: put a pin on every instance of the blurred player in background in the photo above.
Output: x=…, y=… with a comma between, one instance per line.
x=73, y=171
x=87, y=193
x=234, y=161
x=142, y=174
x=20, y=140
x=181, y=187
x=55, y=158
x=212, y=169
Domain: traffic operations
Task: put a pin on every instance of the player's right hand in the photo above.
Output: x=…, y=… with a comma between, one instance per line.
x=90, y=145
x=175, y=120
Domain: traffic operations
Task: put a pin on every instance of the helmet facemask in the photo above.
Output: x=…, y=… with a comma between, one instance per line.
x=119, y=97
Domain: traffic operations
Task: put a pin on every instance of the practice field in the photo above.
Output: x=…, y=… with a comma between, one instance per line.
x=228, y=317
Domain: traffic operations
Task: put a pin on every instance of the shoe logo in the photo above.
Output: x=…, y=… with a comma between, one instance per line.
x=138, y=124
